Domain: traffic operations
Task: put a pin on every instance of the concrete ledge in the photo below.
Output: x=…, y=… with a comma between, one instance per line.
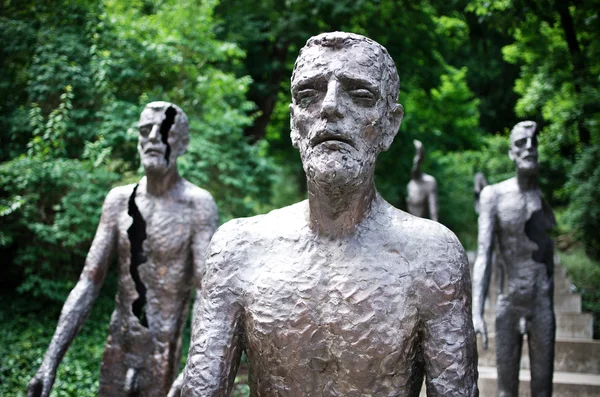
x=570, y=355
x=568, y=325
x=565, y=384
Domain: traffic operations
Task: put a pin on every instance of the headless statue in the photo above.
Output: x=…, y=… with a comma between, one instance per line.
x=341, y=294
x=514, y=212
x=160, y=228
x=422, y=188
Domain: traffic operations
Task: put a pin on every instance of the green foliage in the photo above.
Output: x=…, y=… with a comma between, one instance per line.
x=585, y=274
x=455, y=172
x=583, y=210
x=27, y=328
x=76, y=90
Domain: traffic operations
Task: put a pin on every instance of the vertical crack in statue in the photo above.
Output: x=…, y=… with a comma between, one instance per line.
x=341, y=294
x=422, y=197
x=137, y=235
x=159, y=228
x=514, y=214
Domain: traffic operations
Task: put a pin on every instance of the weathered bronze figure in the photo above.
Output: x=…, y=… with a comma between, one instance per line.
x=515, y=212
x=341, y=294
x=422, y=197
x=160, y=228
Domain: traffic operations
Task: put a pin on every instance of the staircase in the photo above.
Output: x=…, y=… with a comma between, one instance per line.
x=577, y=355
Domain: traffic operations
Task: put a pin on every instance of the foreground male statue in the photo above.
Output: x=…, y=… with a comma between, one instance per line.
x=422, y=188
x=514, y=211
x=160, y=228
x=342, y=294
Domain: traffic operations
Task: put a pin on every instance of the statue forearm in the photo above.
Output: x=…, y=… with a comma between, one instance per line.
x=73, y=315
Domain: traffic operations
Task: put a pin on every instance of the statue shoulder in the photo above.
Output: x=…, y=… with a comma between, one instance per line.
x=440, y=261
x=198, y=198
x=118, y=197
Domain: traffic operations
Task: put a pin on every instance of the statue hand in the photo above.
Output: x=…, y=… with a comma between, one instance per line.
x=176, y=387
x=481, y=328
x=41, y=384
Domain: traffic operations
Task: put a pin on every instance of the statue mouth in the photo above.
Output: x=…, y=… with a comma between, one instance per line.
x=153, y=151
x=332, y=137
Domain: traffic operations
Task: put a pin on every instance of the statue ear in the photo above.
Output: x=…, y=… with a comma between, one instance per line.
x=294, y=134
x=391, y=126
x=511, y=155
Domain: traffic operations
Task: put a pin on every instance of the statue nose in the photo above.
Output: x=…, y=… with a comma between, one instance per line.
x=154, y=133
x=330, y=106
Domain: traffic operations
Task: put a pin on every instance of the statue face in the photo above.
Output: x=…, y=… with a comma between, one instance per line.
x=523, y=149
x=158, y=152
x=337, y=112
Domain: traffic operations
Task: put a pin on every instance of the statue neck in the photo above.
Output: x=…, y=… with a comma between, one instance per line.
x=337, y=210
x=159, y=182
x=527, y=180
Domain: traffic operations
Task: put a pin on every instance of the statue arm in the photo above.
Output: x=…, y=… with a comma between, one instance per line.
x=81, y=299
x=433, y=202
x=448, y=341
x=200, y=240
x=483, y=262
x=208, y=222
x=216, y=345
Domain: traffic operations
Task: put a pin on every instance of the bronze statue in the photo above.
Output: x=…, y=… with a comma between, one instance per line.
x=341, y=294
x=516, y=214
x=160, y=228
x=422, y=197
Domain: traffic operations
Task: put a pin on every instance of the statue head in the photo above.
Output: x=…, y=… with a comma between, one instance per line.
x=344, y=108
x=418, y=159
x=163, y=135
x=523, y=146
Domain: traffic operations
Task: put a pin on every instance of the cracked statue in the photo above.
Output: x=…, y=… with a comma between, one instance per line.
x=341, y=294
x=159, y=228
x=514, y=214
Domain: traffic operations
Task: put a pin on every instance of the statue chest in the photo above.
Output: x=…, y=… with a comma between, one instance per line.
x=162, y=231
x=321, y=309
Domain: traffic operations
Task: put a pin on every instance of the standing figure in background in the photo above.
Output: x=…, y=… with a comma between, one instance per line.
x=422, y=188
x=479, y=183
x=160, y=228
x=516, y=214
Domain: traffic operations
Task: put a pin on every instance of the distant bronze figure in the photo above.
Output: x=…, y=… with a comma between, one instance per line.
x=341, y=294
x=479, y=182
x=160, y=228
x=422, y=197
x=515, y=212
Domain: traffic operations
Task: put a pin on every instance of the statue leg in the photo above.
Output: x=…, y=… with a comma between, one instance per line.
x=541, y=351
x=509, y=342
x=113, y=371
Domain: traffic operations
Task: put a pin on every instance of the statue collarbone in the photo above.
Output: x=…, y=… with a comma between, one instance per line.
x=351, y=305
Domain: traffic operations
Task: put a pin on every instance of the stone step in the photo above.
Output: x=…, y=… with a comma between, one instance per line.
x=565, y=384
x=568, y=325
x=568, y=302
x=570, y=355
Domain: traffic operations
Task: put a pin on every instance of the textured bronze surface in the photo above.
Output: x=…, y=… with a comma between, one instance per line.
x=422, y=197
x=160, y=229
x=514, y=213
x=341, y=294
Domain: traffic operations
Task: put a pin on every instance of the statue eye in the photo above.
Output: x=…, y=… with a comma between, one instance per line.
x=363, y=96
x=144, y=131
x=306, y=97
x=520, y=142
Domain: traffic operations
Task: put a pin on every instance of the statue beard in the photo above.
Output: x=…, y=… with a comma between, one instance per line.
x=338, y=171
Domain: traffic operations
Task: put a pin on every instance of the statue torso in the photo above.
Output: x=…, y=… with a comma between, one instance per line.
x=338, y=317
x=522, y=221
